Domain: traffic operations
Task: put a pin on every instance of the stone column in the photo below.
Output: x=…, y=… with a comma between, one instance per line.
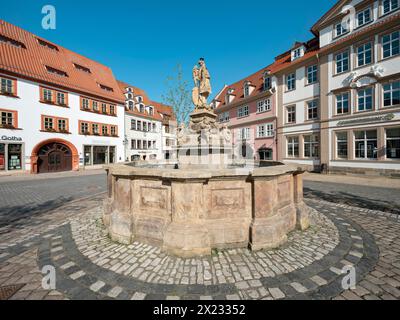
x=266, y=230
x=121, y=221
x=187, y=235
x=302, y=211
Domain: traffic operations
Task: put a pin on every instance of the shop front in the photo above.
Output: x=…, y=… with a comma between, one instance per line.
x=99, y=155
x=11, y=153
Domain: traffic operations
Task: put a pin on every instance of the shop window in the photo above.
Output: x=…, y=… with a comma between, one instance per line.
x=341, y=145
x=366, y=144
x=14, y=157
x=393, y=143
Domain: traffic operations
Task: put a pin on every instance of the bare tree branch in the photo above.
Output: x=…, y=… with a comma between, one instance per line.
x=178, y=95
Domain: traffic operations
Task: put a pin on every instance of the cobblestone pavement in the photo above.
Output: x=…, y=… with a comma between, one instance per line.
x=21, y=200
x=89, y=266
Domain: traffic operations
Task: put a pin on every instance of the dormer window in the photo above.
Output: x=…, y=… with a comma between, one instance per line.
x=56, y=71
x=105, y=88
x=151, y=111
x=82, y=68
x=342, y=28
x=297, y=51
x=47, y=45
x=12, y=42
x=139, y=99
x=246, y=89
x=229, y=96
x=130, y=105
x=267, y=82
x=141, y=108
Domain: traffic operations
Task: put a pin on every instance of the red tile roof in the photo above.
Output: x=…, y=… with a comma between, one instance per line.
x=159, y=108
x=33, y=60
x=282, y=62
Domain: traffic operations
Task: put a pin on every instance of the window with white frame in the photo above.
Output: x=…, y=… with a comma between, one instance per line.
x=291, y=82
x=246, y=90
x=296, y=53
x=48, y=95
x=366, y=144
x=293, y=147
x=391, y=44
x=311, y=146
x=393, y=143
x=312, y=74
x=264, y=105
x=391, y=94
x=389, y=6
x=243, y=111
x=133, y=144
x=265, y=130
x=312, y=110
x=365, y=99
x=267, y=82
x=364, y=17
x=244, y=133
x=7, y=86
x=291, y=114
x=7, y=118
x=342, y=103
x=364, y=54
x=342, y=62
x=224, y=117
x=341, y=28
x=133, y=124
x=341, y=145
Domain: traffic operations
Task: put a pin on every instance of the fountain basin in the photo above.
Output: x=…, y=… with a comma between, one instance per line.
x=190, y=211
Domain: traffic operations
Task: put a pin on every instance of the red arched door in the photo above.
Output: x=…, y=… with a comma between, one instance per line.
x=54, y=157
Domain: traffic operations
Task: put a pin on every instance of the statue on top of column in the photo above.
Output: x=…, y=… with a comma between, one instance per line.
x=202, y=89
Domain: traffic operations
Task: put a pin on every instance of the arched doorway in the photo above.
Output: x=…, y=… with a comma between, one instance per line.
x=54, y=155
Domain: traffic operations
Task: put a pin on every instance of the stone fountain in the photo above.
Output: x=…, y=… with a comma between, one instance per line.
x=204, y=200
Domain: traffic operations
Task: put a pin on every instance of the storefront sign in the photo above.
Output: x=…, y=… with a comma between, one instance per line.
x=387, y=117
x=6, y=138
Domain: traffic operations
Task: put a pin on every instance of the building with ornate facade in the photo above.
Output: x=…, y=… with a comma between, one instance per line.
x=337, y=95
x=59, y=110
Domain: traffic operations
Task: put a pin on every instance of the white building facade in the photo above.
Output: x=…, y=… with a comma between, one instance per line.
x=50, y=121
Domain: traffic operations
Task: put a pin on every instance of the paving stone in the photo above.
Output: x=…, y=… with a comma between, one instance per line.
x=138, y=296
x=276, y=293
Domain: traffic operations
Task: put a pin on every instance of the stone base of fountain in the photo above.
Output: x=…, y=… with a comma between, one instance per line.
x=188, y=212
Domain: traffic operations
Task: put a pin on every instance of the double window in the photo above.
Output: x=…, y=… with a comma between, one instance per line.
x=364, y=17
x=264, y=105
x=312, y=110
x=391, y=44
x=312, y=74
x=391, y=94
x=341, y=28
x=7, y=86
x=342, y=62
x=52, y=96
x=224, y=117
x=291, y=82
x=293, y=147
x=364, y=54
x=55, y=124
x=342, y=103
x=94, y=106
x=393, y=143
x=8, y=119
x=243, y=111
x=365, y=99
x=265, y=130
x=291, y=114
x=366, y=144
x=389, y=6
x=311, y=146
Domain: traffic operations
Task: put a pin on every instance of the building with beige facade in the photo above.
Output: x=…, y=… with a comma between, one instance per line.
x=338, y=94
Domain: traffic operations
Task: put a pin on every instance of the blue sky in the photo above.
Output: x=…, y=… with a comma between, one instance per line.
x=143, y=41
